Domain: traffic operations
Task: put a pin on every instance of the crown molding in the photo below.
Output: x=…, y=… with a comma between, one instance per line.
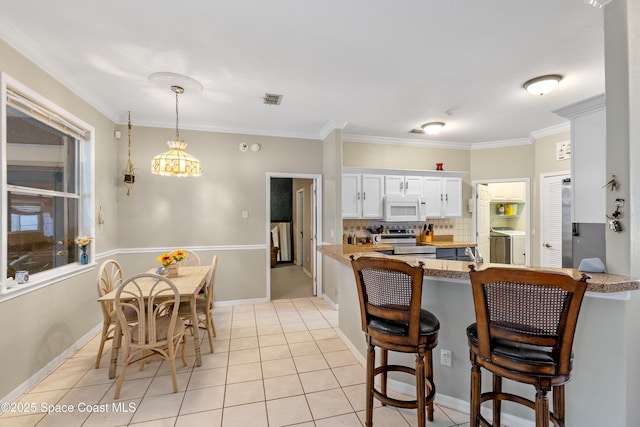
x=405, y=141
x=501, y=144
x=552, y=130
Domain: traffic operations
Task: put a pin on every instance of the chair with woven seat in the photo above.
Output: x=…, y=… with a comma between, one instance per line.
x=524, y=330
x=390, y=293
x=157, y=332
x=204, y=306
x=110, y=277
x=192, y=259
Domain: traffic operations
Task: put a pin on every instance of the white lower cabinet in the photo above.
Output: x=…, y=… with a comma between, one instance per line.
x=362, y=196
x=441, y=197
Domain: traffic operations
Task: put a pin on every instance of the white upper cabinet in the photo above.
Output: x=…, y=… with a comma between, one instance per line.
x=372, y=194
x=442, y=197
x=588, y=159
x=362, y=196
x=508, y=191
x=351, y=197
x=398, y=185
x=452, y=203
x=364, y=190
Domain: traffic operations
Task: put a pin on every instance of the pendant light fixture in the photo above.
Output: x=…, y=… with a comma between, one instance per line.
x=176, y=161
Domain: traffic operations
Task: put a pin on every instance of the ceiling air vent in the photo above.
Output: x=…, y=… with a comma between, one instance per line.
x=272, y=99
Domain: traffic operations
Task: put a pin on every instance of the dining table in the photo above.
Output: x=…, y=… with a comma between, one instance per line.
x=189, y=282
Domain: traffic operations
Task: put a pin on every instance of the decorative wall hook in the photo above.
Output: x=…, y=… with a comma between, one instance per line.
x=129, y=171
x=613, y=183
x=100, y=216
x=614, y=222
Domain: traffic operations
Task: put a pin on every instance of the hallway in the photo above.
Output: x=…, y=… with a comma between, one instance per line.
x=290, y=281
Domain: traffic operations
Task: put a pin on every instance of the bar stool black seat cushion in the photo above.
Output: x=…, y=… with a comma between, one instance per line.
x=530, y=354
x=429, y=324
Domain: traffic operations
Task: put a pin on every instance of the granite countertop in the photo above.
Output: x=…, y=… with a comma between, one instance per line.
x=365, y=247
x=448, y=269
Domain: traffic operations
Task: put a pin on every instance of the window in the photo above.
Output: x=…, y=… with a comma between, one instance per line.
x=47, y=159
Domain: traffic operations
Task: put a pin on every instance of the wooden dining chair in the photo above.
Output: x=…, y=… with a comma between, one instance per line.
x=109, y=278
x=157, y=331
x=204, y=306
x=524, y=330
x=192, y=259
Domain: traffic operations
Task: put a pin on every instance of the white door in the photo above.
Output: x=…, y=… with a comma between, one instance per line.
x=299, y=228
x=551, y=220
x=313, y=230
x=483, y=220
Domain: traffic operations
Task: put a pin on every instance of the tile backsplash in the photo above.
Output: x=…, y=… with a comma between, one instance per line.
x=460, y=228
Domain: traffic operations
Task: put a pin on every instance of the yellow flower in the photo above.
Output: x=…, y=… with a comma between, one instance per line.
x=165, y=259
x=83, y=241
x=179, y=255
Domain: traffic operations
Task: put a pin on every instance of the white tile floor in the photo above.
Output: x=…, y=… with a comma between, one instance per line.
x=275, y=364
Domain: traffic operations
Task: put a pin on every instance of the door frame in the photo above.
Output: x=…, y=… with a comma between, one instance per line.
x=299, y=240
x=527, y=207
x=316, y=219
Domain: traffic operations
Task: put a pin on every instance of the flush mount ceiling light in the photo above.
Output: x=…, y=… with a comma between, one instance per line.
x=543, y=84
x=598, y=3
x=432, y=128
x=176, y=161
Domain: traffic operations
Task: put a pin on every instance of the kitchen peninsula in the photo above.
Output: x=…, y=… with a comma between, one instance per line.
x=447, y=293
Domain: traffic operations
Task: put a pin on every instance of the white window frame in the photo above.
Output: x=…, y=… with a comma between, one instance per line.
x=86, y=180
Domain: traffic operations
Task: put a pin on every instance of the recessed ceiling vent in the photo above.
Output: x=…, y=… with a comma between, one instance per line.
x=272, y=99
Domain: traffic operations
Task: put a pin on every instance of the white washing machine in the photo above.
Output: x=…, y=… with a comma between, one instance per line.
x=508, y=246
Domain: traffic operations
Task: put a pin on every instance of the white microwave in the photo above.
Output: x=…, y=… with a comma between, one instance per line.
x=398, y=208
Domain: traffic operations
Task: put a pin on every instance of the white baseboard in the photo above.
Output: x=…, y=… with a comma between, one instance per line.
x=330, y=302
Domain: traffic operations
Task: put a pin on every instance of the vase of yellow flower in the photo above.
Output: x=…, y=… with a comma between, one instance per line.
x=83, y=243
x=170, y=261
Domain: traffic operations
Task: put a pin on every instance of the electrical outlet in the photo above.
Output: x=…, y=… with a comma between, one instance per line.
x=445, y=357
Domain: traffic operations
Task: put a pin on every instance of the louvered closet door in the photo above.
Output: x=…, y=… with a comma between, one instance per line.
x=551, y=220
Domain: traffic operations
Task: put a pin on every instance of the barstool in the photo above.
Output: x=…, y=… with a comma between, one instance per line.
x=390, y=293
x=525, y=324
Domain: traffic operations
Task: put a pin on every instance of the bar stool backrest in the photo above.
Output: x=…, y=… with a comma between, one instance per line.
x=528, y=307
x=389, y=290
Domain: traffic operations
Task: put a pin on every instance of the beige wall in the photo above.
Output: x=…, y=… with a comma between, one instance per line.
x=46, y=322
x=202, y=213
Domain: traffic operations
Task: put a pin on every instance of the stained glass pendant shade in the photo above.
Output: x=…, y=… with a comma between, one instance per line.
x=176, y=161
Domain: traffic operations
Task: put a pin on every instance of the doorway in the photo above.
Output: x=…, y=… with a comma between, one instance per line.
x=501, y=220
x=293, y=224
